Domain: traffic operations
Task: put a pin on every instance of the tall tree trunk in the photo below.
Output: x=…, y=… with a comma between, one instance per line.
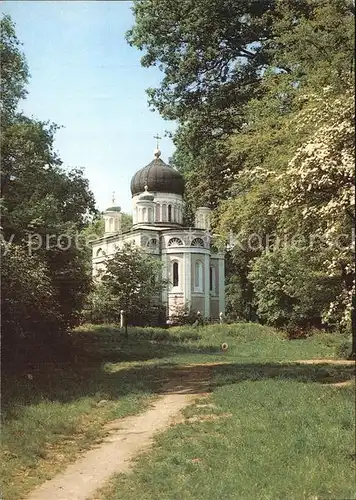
x=353, y=326
x=349, y=280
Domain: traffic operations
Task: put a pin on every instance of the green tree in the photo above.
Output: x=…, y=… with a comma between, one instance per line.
x=318, y=194
x=14, y=70
x=204, y=49
x=100, y=306
x=126, y=222
x=280, y=123
x=133, y=280
x=292, y=287
x=241, y=78
x=215, y=57
x=210, y=56
x=44, y=208
x=28, y=306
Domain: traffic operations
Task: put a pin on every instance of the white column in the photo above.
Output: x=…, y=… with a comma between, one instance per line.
x=165, y=271
x=187, y=276
x=207, y=285
x=222, y=285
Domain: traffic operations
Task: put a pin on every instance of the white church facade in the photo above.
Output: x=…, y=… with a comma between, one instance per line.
x=194, y=268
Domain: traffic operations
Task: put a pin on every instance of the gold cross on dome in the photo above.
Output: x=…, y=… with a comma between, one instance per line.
x=157, y=137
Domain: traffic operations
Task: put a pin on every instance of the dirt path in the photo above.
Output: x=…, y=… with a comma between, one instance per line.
x=128, y=437
x=326, y=361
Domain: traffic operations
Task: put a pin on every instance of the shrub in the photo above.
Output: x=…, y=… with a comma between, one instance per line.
x=30, y=314
x=292, y=289
x=344, y=350
x=184, y=315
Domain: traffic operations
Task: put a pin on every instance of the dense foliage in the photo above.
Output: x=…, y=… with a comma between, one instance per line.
x=263, y=95
x=45, y=276
x=130, y=282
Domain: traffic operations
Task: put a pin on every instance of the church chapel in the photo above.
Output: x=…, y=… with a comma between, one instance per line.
x=192, y=265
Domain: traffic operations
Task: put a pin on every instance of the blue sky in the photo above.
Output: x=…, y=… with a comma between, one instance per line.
x=85, y=77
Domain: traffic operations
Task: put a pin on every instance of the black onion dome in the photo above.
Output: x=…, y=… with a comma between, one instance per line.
x=158, y=177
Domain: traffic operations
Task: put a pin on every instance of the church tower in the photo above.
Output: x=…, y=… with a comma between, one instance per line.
x=194, y=269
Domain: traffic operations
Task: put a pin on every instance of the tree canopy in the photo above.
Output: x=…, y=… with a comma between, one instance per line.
x=262, y=93
x=132, y=282
x=44, y=205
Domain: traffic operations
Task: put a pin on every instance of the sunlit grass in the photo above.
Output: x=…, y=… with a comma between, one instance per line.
x=276, y=439
x=51, y=412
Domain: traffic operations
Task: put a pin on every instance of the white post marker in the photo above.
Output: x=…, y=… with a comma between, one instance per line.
x=221, y=318
x=122, y=318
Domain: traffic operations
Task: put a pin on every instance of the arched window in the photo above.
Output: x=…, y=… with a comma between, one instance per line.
x=99, y=252
x=169, y=213
x=198, y=279
x=174, y=242
x=197, y=242
x=199, y=221
x=152, y=243
x=175, y=272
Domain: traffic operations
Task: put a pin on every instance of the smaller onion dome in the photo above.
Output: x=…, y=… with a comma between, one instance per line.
x=146, y=196
x=113, y=209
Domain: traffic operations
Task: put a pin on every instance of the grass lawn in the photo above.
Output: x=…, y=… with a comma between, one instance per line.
x=283, y=432
x=276, y=439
